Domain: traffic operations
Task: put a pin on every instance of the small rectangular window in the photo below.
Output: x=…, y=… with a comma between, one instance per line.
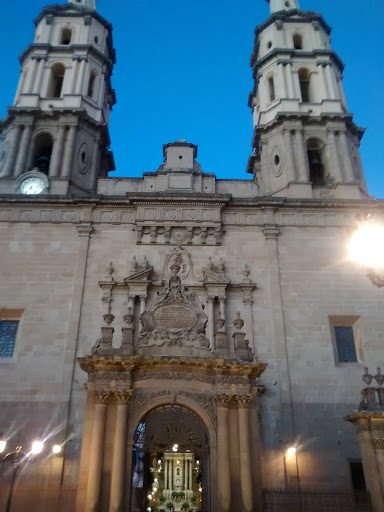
x=271, y=86
x=345, y=344
x=8, y=331
x=346, y=332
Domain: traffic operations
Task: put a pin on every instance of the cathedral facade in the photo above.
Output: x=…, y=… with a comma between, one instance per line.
x=184, y=342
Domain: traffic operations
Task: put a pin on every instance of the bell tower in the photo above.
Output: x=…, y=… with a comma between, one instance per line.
x=55, y=138
x=305, y=142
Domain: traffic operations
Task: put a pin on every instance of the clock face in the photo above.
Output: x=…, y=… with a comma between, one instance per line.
x=32, y=186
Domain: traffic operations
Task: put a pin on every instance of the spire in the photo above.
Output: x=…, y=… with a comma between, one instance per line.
x=283, y=5
x=86, y=4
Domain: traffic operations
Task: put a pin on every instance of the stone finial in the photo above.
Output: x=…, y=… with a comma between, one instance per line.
x=246, y=274
x=110, y=272
x=238, y=322
x=379, y=378
x=145, y=263
x=221, y=266
x=128, y=318
x=220, y=322
x=135, y=265
x=108, y=317
x=367, y=377
x=210, y=263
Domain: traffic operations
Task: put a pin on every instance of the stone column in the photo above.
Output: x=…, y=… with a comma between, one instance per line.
x=23, y=150
x=331, y=85
x=291, y=88
x=14, y=144
x=243, y=402
x=31, y=77
x=97, y=451
x=323, y=82
x=370, y=466
x=75, y=74
x=119, y=452
x=224, y=474
x=80, y=82
x=143, y=304
x=301, y=157
x=222, y=307
x=335, y=156
x=280, y=67
x=349, y=173
x=68, y=152
x=291, y=171
x=211, y=322
x=39, y=76
x=95, y=163
x=54, y=168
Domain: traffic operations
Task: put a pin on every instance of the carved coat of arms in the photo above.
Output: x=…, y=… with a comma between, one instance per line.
x=174, y=317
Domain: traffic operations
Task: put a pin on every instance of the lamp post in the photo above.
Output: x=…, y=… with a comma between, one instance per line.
x=16, y=458
x=367, y=248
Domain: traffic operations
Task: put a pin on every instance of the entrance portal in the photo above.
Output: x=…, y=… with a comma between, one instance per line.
x=170, y=462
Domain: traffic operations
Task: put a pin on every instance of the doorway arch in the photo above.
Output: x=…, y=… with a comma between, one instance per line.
x=170, y=460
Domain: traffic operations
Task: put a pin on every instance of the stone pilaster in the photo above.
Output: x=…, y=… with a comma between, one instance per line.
x=243, y=402
x=224, y=475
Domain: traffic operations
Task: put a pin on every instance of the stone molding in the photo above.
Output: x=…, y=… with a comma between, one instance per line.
x=282, y=213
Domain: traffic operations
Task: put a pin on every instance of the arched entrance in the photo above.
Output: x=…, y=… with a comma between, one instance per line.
x=170, y=466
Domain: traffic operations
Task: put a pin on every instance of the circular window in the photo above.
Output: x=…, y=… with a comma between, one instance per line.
x=96, y=39
x=269, y=44
x=276, y=159
x=83, y=157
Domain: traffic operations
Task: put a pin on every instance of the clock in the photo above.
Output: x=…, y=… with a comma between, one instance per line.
x=32, y=183
x=32, y=186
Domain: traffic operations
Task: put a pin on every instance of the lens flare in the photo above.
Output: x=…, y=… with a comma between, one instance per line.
x=367, y=246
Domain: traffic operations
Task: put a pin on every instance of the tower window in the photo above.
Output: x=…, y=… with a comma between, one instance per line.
x=271, y=88
x=304, y=80
x=91, y=84
x=42, y=152
x=298, y=42
x=345, y=344
x=316, y=165
x=57, y=79
x=66, y=36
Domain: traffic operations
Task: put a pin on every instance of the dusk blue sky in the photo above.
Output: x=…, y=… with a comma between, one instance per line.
x=183, y=72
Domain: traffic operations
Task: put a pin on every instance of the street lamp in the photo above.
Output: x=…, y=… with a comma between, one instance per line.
x=367, y=248
x=16, y=458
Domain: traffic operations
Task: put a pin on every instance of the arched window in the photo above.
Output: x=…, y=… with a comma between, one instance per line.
x=66, y=36
x=317, y=171
x=43, y=146
x=91, y=84
x=304, y=79
x=298, y=42
x=271, y=88
x=56, y=83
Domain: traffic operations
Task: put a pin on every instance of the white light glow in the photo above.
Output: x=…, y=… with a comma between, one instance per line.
x=37, y=447
x=200, y=489
x=367, y=246
x=149, y=496
x=291, y=451
x=3, y=444
x=155, y=489
x=56, y=448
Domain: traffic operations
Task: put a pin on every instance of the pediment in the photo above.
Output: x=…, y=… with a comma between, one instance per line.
x=210, y=276
x=140, y=276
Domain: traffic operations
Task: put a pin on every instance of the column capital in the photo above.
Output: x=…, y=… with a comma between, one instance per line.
x=84, y=230
x=222, y=400
x=123, y=396
x=271, y=232
x=101, y=396
x=242, y=401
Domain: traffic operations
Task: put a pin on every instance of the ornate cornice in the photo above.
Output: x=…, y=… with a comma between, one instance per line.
x=208, y=370
x=366, y=416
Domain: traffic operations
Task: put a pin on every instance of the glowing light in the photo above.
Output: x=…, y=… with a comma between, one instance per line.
x=177, y=462
x=175, y=447
x=159, y=461
x=197, y=462
x=3, y=444
x=367, y=246
x=56, y=448
x=291, y=451
x=200, y=489
x=155, y=489
x=149, y=497
x=156, y=480
x=37, y=447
